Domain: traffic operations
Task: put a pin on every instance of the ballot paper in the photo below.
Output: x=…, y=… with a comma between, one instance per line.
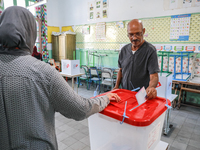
x=140, y=96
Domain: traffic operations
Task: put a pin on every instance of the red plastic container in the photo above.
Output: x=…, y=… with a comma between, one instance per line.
x=143, y=115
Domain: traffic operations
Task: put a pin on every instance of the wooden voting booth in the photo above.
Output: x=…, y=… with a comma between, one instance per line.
x=63, y=47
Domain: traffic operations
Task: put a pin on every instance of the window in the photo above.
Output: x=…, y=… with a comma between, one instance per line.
x=31, y=3
x=32, y=10
x=8, y=3
x=21, y=3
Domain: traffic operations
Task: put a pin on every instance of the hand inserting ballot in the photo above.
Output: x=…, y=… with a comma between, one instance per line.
x=151, y=93
x=113, y=97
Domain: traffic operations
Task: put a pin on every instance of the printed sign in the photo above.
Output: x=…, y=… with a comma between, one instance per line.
x=190, y=48
x=180, y=26
x=159, y=47
x=167, y=48
x=179, y=48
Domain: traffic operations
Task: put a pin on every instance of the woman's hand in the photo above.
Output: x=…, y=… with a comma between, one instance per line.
x=113, y=97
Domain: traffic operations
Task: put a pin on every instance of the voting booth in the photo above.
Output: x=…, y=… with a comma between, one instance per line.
x=140, y=130
x=70, y=67
x=164, y=88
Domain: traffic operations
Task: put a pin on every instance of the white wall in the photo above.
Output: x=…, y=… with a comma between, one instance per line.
x=75, y=12
x=53, y=13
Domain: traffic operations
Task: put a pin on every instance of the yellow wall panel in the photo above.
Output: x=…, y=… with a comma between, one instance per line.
x=67, y=28
x=51, y=29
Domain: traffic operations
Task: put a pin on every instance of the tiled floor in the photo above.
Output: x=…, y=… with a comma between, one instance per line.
x=185, y=134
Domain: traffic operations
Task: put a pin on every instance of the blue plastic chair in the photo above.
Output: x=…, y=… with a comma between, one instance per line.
x=85, y=77
x=95, y=77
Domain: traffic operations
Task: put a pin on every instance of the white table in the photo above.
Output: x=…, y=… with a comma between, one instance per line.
x=72, y=76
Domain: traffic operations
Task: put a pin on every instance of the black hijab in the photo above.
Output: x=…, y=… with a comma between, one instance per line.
x=17, y=31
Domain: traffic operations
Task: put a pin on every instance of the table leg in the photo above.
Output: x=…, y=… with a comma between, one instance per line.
x=180, y=97
x=73, y=83
x=77, y=88
x=167, y=125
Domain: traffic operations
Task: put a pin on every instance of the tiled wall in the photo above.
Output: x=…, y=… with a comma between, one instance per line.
x=157, y=32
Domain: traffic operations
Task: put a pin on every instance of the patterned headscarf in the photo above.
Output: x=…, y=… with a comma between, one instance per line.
x=17, y=31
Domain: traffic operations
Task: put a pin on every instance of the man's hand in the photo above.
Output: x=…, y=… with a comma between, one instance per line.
x=113, y=97
x=151, y=93
x=115, y=88
x=119, y=77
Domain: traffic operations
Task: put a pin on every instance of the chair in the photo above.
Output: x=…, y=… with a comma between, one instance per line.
x=84, y=77
x=86, y=69
x=107, y=77
x=54, y=64
x=115, y=72
x=94, y=77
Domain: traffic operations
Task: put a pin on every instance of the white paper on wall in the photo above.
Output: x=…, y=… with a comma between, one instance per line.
x=101, y=30
x=49, y=46
x=91, y=10
x=98, y=7
x=187, y=3
x=197, y=3
x=86, y=30
x=173, y=4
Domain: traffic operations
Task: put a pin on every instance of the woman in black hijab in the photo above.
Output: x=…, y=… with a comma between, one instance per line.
x=31, y=91
x=17, y=31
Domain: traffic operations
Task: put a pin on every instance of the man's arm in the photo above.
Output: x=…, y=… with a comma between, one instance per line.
x=151, y=89
x=119, y=77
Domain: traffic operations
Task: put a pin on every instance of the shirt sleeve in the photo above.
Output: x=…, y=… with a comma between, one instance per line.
x=70, y=104
x=119, y=59
x=153, y=63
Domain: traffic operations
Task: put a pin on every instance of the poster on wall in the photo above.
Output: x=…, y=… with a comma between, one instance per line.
x=105, y=13
x=91, y=10
x=98, y=9
x=187, y=3
x=105, y=3
x=120, y=24
x=180, y=27
x=197, y=3
x=105, y=9
x=173, y=4
x=86, y=30
x=100, y=30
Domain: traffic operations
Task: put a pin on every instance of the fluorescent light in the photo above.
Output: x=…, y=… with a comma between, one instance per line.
x=37, y=4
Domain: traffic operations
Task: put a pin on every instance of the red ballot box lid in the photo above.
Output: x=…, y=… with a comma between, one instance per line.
x=143, y=115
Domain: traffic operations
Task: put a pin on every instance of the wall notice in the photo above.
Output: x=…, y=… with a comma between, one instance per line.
x=180, y=27
x=101, y=30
